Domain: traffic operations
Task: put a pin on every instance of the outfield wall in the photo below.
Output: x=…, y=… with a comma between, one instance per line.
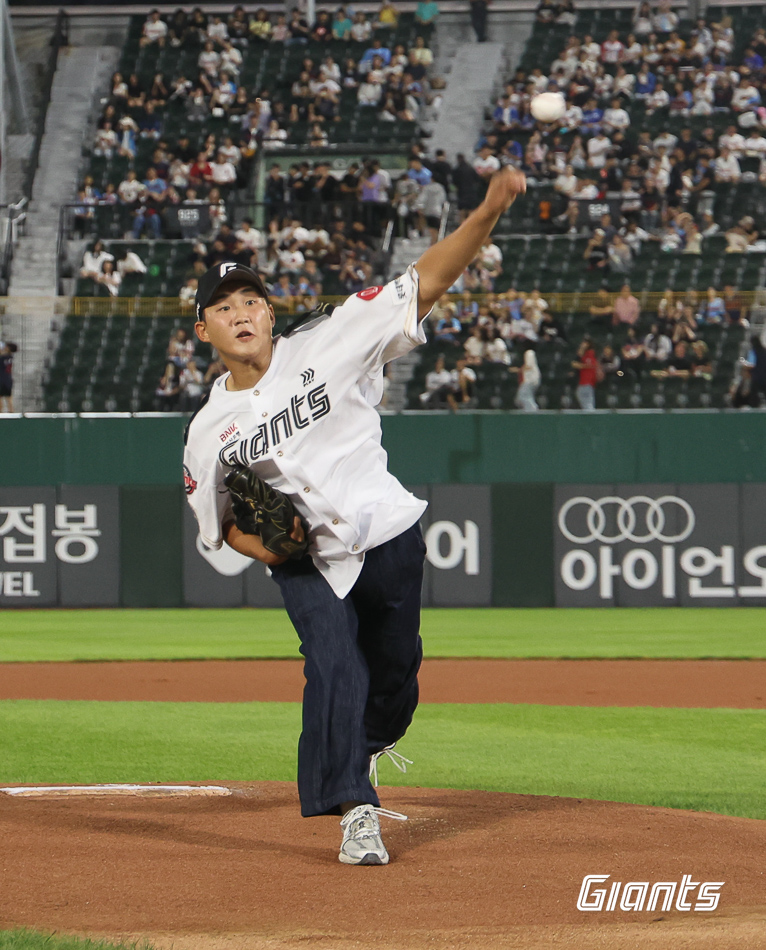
x=480, y=448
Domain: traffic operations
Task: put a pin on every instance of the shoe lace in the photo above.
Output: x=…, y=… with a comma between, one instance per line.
x=397, y=758
x=366, y=827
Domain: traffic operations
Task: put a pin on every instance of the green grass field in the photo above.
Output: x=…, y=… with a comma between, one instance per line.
x=36, y=635
x=701, y=759
x=34, y=940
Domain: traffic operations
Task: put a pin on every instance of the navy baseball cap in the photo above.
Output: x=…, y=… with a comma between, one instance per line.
x=226, y=272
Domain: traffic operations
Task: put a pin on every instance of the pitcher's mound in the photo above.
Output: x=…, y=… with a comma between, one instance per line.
x=469, y=869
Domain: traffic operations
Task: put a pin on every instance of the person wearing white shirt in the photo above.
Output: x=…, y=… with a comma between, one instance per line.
x=755, y=145
x=616, y=119
x=209, y=60
x=566, y=182
x=93, y=259
x=665, y=140
x=572, y=117
x=224, y=173
x=154, y=30
x=598, y=146
x=727, y=167
x=299, y=411
x=733, y=141
x=217, y=30
x=591, y=48
x=659, y=99
x=106, y=140
x=252, y=239
x=624, y=83
x=745, y=96
x=485, y=163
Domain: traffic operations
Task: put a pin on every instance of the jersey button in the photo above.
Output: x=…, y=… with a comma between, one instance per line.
x=264, y=414
x=280, y=454
x=307, y=488
x=356, y=547
x=335, y=521
x=257, y=393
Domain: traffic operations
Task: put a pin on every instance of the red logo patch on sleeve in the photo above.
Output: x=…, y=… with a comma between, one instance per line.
x=370, y=293
x=189, y=483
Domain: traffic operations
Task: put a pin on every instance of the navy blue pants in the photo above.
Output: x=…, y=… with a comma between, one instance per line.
x=362, y=658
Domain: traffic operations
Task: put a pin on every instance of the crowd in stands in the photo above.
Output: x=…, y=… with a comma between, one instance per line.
x=665, y=180
x=505, y=327
x=389, y=80
x=323, y=229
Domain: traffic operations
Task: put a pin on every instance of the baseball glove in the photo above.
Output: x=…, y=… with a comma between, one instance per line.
x=260, y=509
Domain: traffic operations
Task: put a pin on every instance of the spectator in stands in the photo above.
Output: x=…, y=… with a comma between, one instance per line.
x=260, y=26
x=341, y=25
x=596, y=253
x=361, y=29
x=657, y=346
x=191, y=385
x=109, y=278
x=609, y=362
x=633, y=354
x=298, y=29
x=587, y=367
x=679, y=365
x=438, y=392
x=426, y=12
x=602, y=310
x=188, y=293
x=93, y=260
x=626, y=309
x=7, y=351
x=388, y=17
x=168, y=389
x=620, y=256
x=479, y=19
x=106, y=140
x=529, y=382
x=154, y=30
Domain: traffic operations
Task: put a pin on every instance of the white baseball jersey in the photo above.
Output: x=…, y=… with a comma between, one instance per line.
x=309, y=428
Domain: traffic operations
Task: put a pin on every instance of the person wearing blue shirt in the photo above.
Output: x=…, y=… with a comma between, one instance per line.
x=645, y=84
x=419, y=173
x=592, y=117
x=377, y=49
x=448, y=330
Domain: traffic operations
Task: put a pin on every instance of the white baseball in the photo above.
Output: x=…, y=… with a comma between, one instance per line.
x=548, y=106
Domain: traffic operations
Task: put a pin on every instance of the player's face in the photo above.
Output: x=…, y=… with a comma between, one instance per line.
x=238, y=324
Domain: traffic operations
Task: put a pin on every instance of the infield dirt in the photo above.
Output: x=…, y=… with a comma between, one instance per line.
x=736, y=684
x=469, y=869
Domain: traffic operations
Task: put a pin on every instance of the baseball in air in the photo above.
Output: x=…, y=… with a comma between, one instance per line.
x=548, y=106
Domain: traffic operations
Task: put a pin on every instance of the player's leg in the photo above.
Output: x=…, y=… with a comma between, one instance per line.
x=333, y=758
x=387, y=601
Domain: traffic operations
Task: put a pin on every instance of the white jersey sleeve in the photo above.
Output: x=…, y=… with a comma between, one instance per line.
x=211, y=506
x=380, y=324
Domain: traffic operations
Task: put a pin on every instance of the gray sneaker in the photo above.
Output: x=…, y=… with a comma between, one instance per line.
x=362, y=843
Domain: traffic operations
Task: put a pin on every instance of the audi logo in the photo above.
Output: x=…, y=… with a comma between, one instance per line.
x=650, y=512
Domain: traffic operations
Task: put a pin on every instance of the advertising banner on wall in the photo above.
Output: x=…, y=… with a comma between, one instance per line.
x=59, y=546
x=457, y=529
x=660, y=545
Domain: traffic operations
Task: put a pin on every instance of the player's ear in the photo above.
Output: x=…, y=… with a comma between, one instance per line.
x=200, y=328
x=272, y=316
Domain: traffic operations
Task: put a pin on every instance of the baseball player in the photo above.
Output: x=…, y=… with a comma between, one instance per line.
x=284, y=463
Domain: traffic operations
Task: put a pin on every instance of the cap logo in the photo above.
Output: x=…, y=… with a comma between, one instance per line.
x=223, y=269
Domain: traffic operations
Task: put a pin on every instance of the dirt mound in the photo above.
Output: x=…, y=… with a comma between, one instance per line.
x=469, y=869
